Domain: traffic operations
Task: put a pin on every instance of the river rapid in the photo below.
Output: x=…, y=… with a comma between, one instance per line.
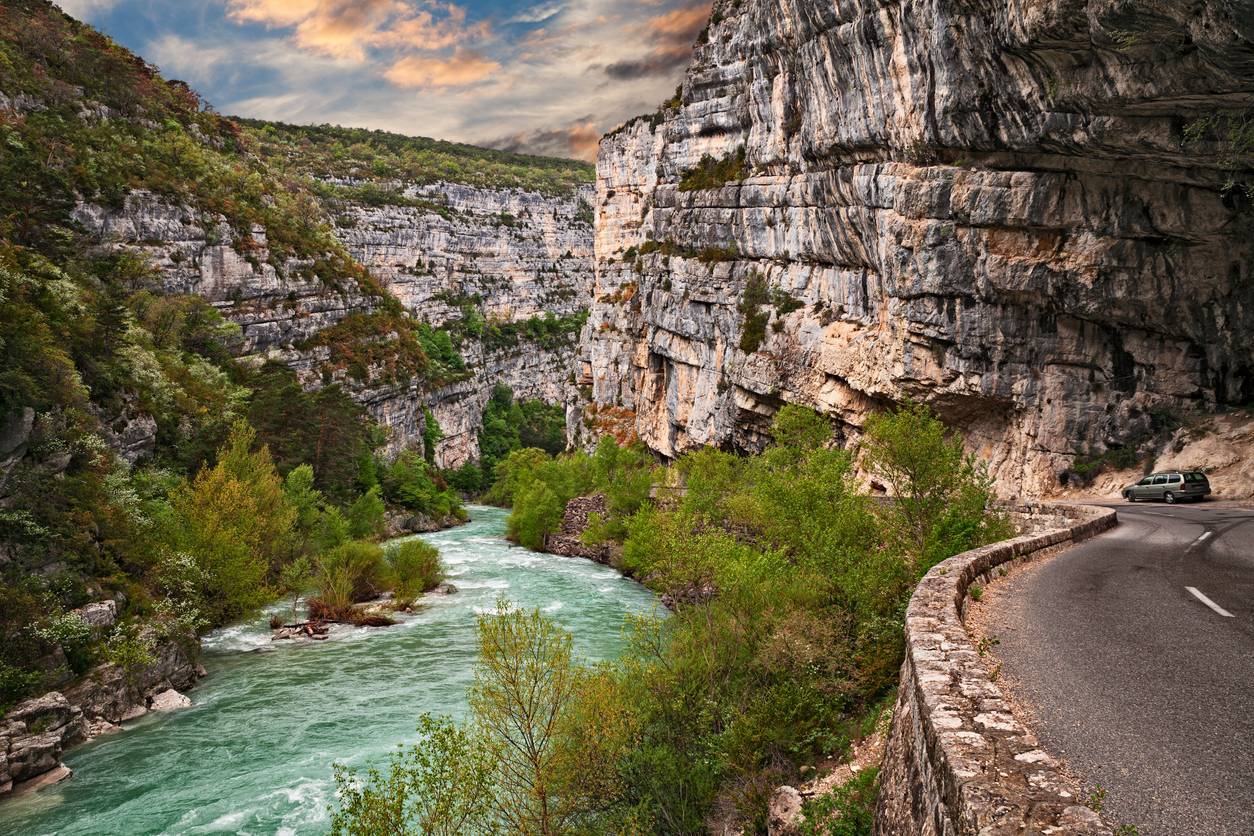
x=253, y=755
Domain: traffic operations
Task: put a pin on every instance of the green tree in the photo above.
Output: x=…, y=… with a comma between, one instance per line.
x=941, y=495
x=367, y=516
x=236, y=524
x=443, y=785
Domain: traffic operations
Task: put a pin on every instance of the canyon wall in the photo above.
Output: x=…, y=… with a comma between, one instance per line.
x=442, y=250
x=1034, y=217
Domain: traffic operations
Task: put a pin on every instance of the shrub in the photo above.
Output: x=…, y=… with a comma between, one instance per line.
x=442, y=786
x=538, y=511
x=941, y=496
x=753, y=320
x=710, y=173
x=130, y=649
x=410, y=483
x=348, y=574
x=415, y=569
x=848, y=810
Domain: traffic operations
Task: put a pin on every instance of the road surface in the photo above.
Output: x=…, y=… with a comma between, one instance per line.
x=1135, y=653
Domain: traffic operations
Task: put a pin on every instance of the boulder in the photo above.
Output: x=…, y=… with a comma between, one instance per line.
x=445, y=588
x=99, y=614
x=34, y=754
x=170, y=700
x=52, y=713
x=784, y=813
x=55, y=775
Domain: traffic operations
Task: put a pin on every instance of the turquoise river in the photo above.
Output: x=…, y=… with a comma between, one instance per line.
x=253, y=754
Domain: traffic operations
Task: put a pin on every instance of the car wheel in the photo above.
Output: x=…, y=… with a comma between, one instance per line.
x=1128, y=496
x=1169, y=498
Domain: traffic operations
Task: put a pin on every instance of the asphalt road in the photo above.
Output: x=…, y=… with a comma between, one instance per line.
x=1143, y=688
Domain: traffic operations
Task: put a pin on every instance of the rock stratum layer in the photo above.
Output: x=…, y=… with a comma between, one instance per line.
x=1033, y=217
x=512, y=255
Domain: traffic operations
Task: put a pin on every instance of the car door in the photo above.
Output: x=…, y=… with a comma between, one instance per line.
x=1159, y=487
x=1141, y=490
x=1175, y=484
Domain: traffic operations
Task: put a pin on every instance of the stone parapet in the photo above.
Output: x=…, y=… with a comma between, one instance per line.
x=958, y=761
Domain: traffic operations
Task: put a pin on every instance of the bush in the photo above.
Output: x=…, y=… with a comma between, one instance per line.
x=415, y=568
x=541, y=487
x=349, y=574
x=410, y=483
x=710, y=173
x=941, y=495
x=848, y=810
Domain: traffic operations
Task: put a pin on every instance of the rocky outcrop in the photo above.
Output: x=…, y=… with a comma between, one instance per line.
x=1025, y=216
x=512, y=255
x=34, y=734
x=568, y=540
x=958, y=761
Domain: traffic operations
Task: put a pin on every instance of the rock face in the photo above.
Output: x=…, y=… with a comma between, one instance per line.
x=518, y=255
x=1020, y=214
x=521, y=254
x=34, y=734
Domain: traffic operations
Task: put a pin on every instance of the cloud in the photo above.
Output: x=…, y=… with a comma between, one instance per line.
x=461, y=69
x=672, y=35
x=577, y=139
x=82, y=9
x=538, y=13
x=351, y=28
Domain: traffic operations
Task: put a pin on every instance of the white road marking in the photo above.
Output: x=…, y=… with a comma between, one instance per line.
x=1204, y=536
x=1208, y=602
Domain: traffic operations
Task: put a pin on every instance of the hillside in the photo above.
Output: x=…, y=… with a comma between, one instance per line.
x=179, y=288
x=355, y=155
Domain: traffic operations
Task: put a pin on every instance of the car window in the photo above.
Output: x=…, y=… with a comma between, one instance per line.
x=1175, y=477
x=1148, y=480
x=1160, y=480
x=1194, y=477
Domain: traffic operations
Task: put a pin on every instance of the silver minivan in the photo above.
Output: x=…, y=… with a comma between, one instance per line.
x=1169, y=486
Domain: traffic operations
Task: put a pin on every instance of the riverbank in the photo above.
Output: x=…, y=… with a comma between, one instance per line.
x=254, y=751
x=35, y=734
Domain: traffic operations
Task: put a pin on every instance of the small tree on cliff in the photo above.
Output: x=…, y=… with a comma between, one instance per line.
x=941, y=495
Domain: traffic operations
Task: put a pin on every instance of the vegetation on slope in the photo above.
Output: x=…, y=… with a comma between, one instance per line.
x=232, y=478
x=794, y=585
x=88, y=120
x=509, y=425
x=326, y=152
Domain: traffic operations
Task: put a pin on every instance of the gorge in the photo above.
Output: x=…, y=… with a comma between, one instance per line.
x=1018, y=236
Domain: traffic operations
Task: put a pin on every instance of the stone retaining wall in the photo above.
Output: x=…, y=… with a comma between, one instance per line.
x=958, y=762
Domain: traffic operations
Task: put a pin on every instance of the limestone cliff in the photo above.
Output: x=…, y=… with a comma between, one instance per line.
x=445, y=250
x=1034, y=217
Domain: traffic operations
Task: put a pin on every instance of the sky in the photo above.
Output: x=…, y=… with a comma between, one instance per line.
x=540, y=76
